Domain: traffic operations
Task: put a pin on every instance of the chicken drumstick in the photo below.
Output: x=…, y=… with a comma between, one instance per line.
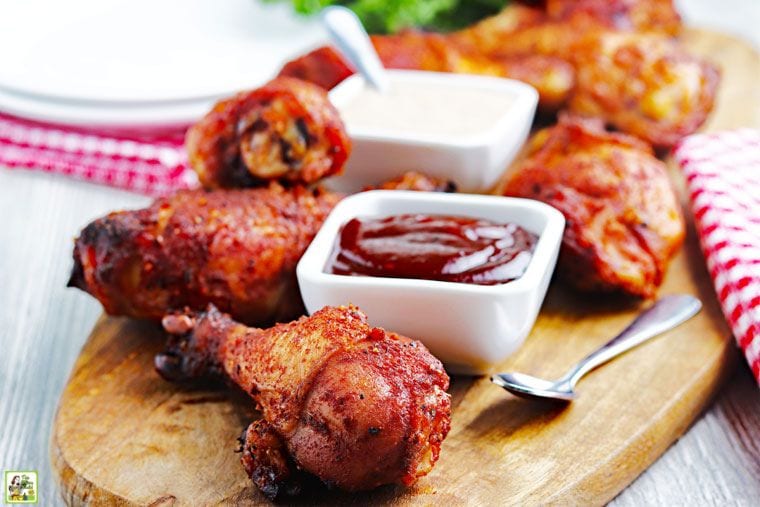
x=285, y=130
x=356, y=406
x=624, y=221
x=237, y=249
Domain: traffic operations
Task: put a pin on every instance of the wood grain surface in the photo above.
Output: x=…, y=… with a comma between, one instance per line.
x=123, y=434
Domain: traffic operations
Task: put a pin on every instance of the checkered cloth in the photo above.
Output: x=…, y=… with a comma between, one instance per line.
x=153, y=165
x=723, y=175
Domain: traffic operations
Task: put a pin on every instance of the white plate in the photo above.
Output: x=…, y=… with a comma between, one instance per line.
x=165, y=115
x=140, y=61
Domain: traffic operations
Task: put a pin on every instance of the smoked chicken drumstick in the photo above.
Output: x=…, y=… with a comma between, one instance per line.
x=237, y=249
x=356, y=406
x=642, y=84
x=624, y=221
x=286, y=130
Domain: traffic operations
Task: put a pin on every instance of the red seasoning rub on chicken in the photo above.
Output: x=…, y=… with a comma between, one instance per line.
x=324, y=67
x=356, y=406
x=552, y=29
x=643, y=84
x=628, y=70
x=286, y=130
x=552, y=77
x=418, y=182
x=630, y=15
x=235, y=248
x=624, y=221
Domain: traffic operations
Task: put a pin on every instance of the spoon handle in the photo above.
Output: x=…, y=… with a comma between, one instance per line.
x=349, y=35
x=665, y=314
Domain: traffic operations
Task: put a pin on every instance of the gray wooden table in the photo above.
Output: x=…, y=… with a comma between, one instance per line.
x=43, y=325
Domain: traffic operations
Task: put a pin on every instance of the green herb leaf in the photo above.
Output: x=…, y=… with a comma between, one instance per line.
x=390, y=16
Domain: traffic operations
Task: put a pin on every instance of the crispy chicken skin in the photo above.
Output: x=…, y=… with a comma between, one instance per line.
x=412, y=49
x=630, y=15
x=624, y=222
x=643, y=84
x=549, y=28
x=324, y=67
x=235, y=248
x=356, y=406
x=500, y=34
x=285, y=130
x=552, y=77
x=418, y=182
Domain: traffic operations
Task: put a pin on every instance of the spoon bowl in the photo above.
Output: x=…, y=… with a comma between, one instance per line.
x=528, y=386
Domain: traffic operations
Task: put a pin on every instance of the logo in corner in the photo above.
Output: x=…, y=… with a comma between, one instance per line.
x=20, y=486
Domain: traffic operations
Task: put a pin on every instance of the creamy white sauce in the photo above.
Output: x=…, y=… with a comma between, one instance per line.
x=426, y=109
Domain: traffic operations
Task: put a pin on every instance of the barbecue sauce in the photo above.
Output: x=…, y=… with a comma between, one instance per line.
x=433, y=247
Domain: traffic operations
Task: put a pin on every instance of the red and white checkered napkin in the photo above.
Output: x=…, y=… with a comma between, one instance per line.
x=152, y=165
x=723, y=175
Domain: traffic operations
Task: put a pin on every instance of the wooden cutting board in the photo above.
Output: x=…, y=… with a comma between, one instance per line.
x=123, y=435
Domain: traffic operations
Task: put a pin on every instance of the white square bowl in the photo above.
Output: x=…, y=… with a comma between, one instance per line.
x=474, y=162
x=469, y=327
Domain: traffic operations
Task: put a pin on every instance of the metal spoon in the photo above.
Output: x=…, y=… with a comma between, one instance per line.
x=349, y=35
x=662, y=316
